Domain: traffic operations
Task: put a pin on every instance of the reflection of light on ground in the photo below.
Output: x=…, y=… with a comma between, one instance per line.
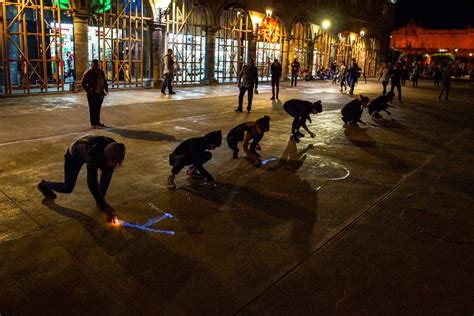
x=323, y=168
x=152, y=221
x=268, y=159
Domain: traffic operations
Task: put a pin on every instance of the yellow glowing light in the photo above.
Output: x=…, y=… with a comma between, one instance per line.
x=269, y=13
x=470, y=54
x=326, y=24
x=362, y=33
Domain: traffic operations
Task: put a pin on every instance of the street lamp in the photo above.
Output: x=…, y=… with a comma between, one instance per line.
x=269, y=13
x=326, y=24
x=362, y=33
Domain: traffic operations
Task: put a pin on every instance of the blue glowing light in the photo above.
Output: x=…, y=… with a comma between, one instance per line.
x=150, y=222
x=267, y=160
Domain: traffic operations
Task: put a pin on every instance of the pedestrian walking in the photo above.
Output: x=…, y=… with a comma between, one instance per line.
x=95, y=84
x=70, y=66
x=403, y=74
x=301, y=110
x=437, y=75
x=445, y=82
x=194, y=152
x=415, y=75
x=396, y=74
x=248, y=81
x=97, y=153
x=276, y=75
x=385, y=76
x=352, y=111
x=295, y=69
x=343, y=76
x=353, y=75
x=380, y=104
x=169, y=63
x=246, y=132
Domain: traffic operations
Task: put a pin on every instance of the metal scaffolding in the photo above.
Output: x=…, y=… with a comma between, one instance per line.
x=31, y=46
x=301, y=36
x=323, y=48
x=231, y=43
x=186, y=35
x=120, y=41
x=269, y=45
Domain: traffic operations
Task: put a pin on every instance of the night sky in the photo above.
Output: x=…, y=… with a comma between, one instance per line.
x=436, y=14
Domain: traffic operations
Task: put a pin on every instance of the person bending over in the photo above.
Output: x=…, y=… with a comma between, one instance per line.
x=251, y=133
x=96, y=152
x=352, y=111
x=194, y=152
x=300, y=110
x=380, y=104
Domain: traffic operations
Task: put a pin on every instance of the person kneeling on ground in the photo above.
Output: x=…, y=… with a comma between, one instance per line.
x=246, y=132
x=97, y=152
x=300, y=110
x=352, y=112
x=194, y=152
x=380, y=104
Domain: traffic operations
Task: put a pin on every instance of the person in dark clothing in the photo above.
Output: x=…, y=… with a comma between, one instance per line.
x=352, y=111
x=276, y=75
x=194, y=152
x=97, y=152
x=295, y=69
x=416, y=75
x=437, y=75
x=169, y=64
x=445, y=82
x=248, y=81
x=246, y=132
x=300, y=110
x=395, y=76
x=95, y=84
x=353, y=75
x=380, y=104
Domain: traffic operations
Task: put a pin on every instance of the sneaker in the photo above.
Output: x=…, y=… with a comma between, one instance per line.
x=299, y=134
x=248, y=111
x=101, y=124
x=172, y=92
x=47, y=193
x=235, y=154
x=171, y=185
x=238, y=110
x=272, y=98
x=194, y=173
x=163, y=93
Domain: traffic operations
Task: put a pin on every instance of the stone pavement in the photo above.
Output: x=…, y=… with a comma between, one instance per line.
x=369, y=220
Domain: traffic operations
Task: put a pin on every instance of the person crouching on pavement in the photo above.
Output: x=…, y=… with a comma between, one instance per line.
x=246, y=132
x=352, y=111
x=300, y=110
x=194, y=152
x=97, y=152
x=380, y=104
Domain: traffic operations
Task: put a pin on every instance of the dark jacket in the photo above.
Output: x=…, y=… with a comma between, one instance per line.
x=299, y=109
x=190, y=149
x=90, y=150
x=379, y=104
x=90, y=79
x=352, y=111
x=248, y=77
x=276, y=70
x=295, y=67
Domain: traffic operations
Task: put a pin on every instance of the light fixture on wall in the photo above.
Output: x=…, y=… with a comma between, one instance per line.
x=362, y=33
x=269, y=13
x=326, y=24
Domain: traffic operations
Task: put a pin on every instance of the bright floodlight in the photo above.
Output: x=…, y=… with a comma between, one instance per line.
x=269, y=13
x=326, y=24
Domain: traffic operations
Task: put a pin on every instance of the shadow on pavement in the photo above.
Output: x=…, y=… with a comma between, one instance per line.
x=398, y=128
x=142, y=135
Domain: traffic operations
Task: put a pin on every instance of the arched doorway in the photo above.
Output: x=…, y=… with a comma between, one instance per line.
x=270, y=33
x=119, y=38
x=232, y=43
x=186, y=35
x=301, y=36
x=36, y=38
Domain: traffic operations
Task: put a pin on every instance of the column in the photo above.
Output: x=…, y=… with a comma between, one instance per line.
x=252, y=48
x=310, y=56
x=284, y=59
x=210, y=61
x=158, y=51
x=81, y=47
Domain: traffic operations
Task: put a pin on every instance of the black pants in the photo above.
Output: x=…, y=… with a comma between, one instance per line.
x=384, y=84
x=95, y=104
x=178, y=162
x=415, y=81
x=297, y=120
x=232, y=142
x=72, y=167
x=396, y=84
x=275, y=87
x=249, y=91
x=294, y=78
x=445, y=87
x=167, y=83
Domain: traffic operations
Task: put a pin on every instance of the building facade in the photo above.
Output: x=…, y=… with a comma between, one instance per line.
x=46, y=45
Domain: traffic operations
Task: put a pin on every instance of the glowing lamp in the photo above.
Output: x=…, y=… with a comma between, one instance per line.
x=269, y=13
x=326, y=24
x=362, y=33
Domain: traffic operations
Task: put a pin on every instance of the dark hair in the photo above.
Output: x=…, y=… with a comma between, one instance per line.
x=264, y=123
x=318, y=106
x=364, y=99
x=115, y=152
x=214, y=138
x=95, y=61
